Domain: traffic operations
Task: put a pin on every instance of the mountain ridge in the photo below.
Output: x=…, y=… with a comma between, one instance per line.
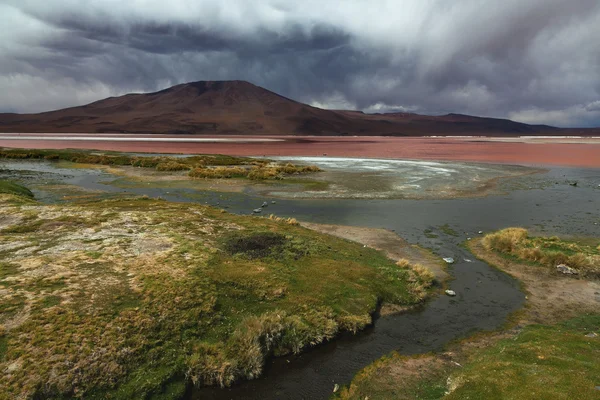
x=242, y=108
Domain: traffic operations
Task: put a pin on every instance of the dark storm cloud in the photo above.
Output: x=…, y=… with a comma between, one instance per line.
x=534, y=61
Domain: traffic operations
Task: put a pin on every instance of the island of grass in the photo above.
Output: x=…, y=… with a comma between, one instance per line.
x=10, y=187
x=139, y=298
x=551, y=350
x=199, y=166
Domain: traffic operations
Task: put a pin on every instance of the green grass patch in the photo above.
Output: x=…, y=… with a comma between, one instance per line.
x=10, y=187
x=399, y=377
x=542, y=362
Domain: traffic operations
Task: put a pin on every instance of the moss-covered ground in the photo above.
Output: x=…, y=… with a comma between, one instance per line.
x=558, y=361
x=138, y=298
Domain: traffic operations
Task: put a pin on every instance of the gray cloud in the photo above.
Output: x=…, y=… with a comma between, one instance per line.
x=534, y=61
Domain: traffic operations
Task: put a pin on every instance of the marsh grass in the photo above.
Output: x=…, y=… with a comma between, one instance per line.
x=200, y=166
x=136, y=298
x=547, y=252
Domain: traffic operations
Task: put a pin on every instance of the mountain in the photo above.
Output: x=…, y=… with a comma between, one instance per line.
x=239, y=108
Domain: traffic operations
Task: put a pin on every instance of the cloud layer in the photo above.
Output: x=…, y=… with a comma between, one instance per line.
x=536, y=61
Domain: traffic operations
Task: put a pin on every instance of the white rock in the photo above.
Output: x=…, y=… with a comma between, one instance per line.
x=449, y=260
x=565, y=269
x=450, y=292
x=336, y=387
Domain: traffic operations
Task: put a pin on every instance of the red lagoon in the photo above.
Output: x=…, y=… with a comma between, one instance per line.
x=569, y=151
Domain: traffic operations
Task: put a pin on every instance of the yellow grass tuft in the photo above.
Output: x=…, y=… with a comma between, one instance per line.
x=290, y=221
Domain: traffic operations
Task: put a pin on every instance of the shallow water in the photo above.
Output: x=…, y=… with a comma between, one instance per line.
x=485, y=296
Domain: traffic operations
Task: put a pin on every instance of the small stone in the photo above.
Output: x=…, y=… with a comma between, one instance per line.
x=592, y=334
x=480, y=232
x=264, y=204
x=336, y=387
x=450, y=293
x=257, y=210
x=449, y=260
x=565, y=269
x=273, y=202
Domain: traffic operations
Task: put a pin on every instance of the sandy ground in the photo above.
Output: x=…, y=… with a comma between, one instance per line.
x=579, y=152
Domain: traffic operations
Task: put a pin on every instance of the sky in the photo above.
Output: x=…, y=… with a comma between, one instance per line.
x=533, y=61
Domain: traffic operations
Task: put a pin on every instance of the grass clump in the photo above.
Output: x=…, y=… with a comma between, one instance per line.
x=291, y=221
x=9, y=187
x=420, y=279
x=546, y=252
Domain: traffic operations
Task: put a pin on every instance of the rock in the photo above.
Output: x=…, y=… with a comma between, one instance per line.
x=573, y=184
x=264, y=204
x=273, y=202
x=467, y=260
x=480, y=232
x=450, y=293
x=592, y=334
x=449, y=260
x=336, y=387
x=565, y=269
x=257, y=210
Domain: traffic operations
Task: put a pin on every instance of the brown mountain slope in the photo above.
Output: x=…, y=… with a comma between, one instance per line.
x=238, y=107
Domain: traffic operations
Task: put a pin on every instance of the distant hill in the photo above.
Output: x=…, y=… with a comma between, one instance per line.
x=240, y=108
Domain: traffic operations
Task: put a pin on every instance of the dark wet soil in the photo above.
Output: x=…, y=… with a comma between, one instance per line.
x=485, y=296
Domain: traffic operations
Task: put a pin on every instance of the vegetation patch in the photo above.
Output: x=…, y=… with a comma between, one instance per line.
x=200, y=166
x=448, y=230
x=538, y=362
x=546, y=252
x=9, y=187
x=542, y=362
x=138, y=298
